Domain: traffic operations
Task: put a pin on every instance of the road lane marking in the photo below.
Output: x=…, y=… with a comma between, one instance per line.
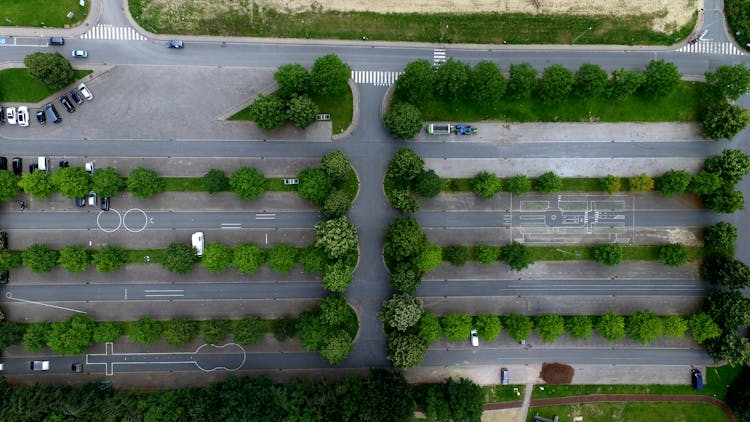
x=164, y=293
x=265, y=216
x=231, y=225
x=9, y=295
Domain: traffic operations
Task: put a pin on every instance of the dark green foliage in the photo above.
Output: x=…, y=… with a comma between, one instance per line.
x=314, y=185
x=337, y=347
x=109, y=258
x=216, y=257
x=405, y=166
x=611, y=326
x=730, y=348
x=644, y=327
x=579, y=327
x=429, y=328
x=720, y=237
x=312, y=330
x=555, y=84
x=731, y=166
x=338, y=276
x=107, y=182
x=179, y=258
x=705, y=183
x=248, y=258
x=517, y=255
x=8, y=186
x=660, y=78
x=608, y=254
x=487, y=83
x=674, y=182
x=145, y=330
x=107, y=331
x=74, y=258
x=488, y=326
x=590, y=81
x=728, y=82
x=451, y=79
x=336, y=166
x=452, y=400
x=430, y=258
x=10, y=334
x=674, y=326
x=405, y=350
x=486, y=184
x=143, y=183
x=329, y=76
x=334, y=309
x=282, y=258
x=180, y=331
x=484, y=254
x=548, y=182
x=40, y=258
x=725, y=271
x=673, y=255
x=521, y=81
x=624, y=83
x=738, y=395
x=388, y=398
x=52, y=69
x=517, y=326
x=336, y=204
x=519, y=184
x=249, y=330
x=402, y=200
x=401, y=311
x=301, y=111
x=313, y=259
x=456, y=326
x=729, y=309
x=37, y=184
x=9, y=261
x=337, y=237
x=457, y=255
x=292, y=79
x=417, y=82
x=406, y=277
x=403, y=121
x=549, y=327
x=284, y=328
x=268, y=112
x=215, y=331
x=427, y=184
x=725, y=200
x=723, y=120
x=214, y=181
x=248, y=183
x=404, y=239
x=35, y=337
x=73, y=182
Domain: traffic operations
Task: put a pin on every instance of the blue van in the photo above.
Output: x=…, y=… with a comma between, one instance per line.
x=697, y=379
x=52, y=114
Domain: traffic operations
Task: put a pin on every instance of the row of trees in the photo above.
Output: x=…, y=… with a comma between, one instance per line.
x=329, y=329
x=333, y=186
x=383, y=396
x=328, y=77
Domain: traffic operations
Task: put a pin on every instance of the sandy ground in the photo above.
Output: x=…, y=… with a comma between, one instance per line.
x=670, y=14
x=502, y=415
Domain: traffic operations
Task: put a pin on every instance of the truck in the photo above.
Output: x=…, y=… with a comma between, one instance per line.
x=439, y=128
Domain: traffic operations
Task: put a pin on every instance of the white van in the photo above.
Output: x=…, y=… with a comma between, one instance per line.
x=198, y=243
x=42, y=163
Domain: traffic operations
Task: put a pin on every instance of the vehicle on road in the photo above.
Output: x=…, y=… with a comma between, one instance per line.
x=175, y=44
x=79, y=54
x=10, y=115
x=89, y=166
x=76, y=98
x=3, y=163
x=63, y=164
x=85, y=91
x=39, y=365
x=198, y=240
x=65, y=101
x=56, y=41
x=439, y=128
x=2, y=115
x=17, y=166
x=23, y=116
x=42, y=163
x=105, y=203
x=92, y=198
x=80, y=202
x=76, y=367
x=504, y=377
x=697, y=378
x=41, y=117
x=474, y=338
x=465, y=130
x=52, y=113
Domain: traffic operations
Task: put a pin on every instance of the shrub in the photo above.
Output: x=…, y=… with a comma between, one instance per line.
x=180, y=332
x=517, y=255
x=590, y=81
x=145, y=330
x=249, y=330
x=314, y=185
x=611, y=184
x=406, y=277
x=484, y=254
x=486, y=184
x=608, y=254
x=579, y=327
x=488, y=326
x=215, y=331
x=644, y=327
x=430, y=258
x=427, y=184
x=403, y=121
x=674, y=182
x=555, y=84
x=284, y=328
x=143, y=183
x=282, y=258
x=401, y=311
x=517, y=326
x=248, y=183
x=674, y=326
x=301, y=111
x=456, y=254
x=456, y=326
x=522, y=80
x=429, y=328
x=40, y=258
x=338, y=276
x=74, y=258
x=216, y=257
x=611, y=326
x=548, y=182
x=519, y=184
x=641, y=183
x=107, y=332
x=248, y=258
x=109, y=259
x=214, y=181
x=268, y=112
x=179, y=258
x=549, y=327
x=673, y=255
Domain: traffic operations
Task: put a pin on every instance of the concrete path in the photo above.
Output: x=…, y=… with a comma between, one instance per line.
x=528, y=389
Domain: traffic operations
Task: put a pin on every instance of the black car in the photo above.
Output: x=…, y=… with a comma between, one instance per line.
x=175, y=44
x=63, y=164
x=80, y=202
x=56, y=41
x=3, y=163
x=105, y=203
x=4, y=277
x=17, y=166
x=76, y=367
x=65, y=101
x=77, y=98
x=33, y=167
x=4, y=241
x=41, y=117
x=2, y=115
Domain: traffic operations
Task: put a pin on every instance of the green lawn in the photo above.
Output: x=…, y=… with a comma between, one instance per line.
x=569, y=184
x=17, y=86
x=41, y=13
x=683, y=105
x=630, y=253
x=501, y=393
x=193, y=184
x=630, y=412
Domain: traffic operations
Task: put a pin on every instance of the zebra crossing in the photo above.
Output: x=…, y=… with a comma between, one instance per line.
x=438, y=56
x=375, y=77
x=109, y=32
x=711, y=47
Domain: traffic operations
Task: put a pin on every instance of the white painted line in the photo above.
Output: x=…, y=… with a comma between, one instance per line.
x=266, y=238
x=9, y=295
x=231, y=224
x=165, y=295
x=126, y=294
x=165, y=290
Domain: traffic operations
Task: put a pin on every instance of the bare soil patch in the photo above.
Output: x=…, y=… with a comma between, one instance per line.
x=557, y=373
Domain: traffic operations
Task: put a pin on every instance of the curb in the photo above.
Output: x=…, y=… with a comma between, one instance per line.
x=355, y=114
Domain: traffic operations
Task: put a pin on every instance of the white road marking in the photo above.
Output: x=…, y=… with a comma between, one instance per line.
x=165, y=293
x=9, y=295
x=375, y=77
x=711, y=47
x=231, y=225
x=267, y=216
x=109, y=32
x=438, y=56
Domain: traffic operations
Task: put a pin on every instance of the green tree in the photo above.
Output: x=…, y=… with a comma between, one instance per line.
x=249, y=330
x=725, y=200
x=72, y=336
x=8, y=186
x=519, y=184
x=487, y=83
x=488, y=326
x=10, y=261
x=312, y=330
x=247, y=183
x=549, y=327
x=109, y=258
x=417, y=83
x=337, y=348
x=485, y=255
x=40, y=258
x=611, y=326
x=143, y=183
x=336, y=166
x=660, y=78
x=405, y=166
x=608, y=253
x=107, y=332
x=521, y=81
x=517, y=255
x=429, y=328
x=729, y=309
x=518, y=326
x=145, y=330
x=293, y=79
x=579, y=327
x=268, y=112
x=731, y=166
x=214, y=181
x=702, y=327
x=465, y=399
x=403, y=121
x=73, y=182
x=215, y=331
x=405, y=351
x=284, y=328
x=74, y=258
x=402, y=201
x=730, y=348
x=334, y=310
x=314, y=185
x=725, y=271
x=338, y=276
x=723, y=120
x=107, y=182
x=738, y=395
x=641, y=183
x=456, y=326
x=302, y=111
x=336, y=204
x=611, y=184
x=52, y=69
x=674, y=254
x=248, y=258
x=313, y=259
x=180, y=331
x=624, y=83
x=282, y=258
x=728, y=82
x=37, y=184
x=337, y=237
x=179, y=258
x=555, y=84
x=720, y=237
x=705, y=183
x=644, y=327
x=674, y=326
x=457, y=255
x=330, y=76
x=674, y=182
x=401, y=311
x=427, y=184
x=548, y=182
x=452, y=78
x=216, y=257
x=486, y=184
x=404, y=240
x=590, y=81
x=430, y=258
x=35, y=337
x=406, y=277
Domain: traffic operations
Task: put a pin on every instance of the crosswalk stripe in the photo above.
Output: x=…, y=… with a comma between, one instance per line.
x=109, y=32
x=438, y=56
x=375, y=77
x=711, y=47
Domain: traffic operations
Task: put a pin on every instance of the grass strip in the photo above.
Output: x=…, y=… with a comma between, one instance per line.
x=194, y=184
x=630, y=253
x=633, y=411
x=17, y=86
x=569, y=184
x=502, y=393
x=42, y=13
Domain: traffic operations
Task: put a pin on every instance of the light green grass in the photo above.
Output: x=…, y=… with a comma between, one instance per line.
x=42, y=13
x=501, y=393
x=569, y=184
x=630, y=412
x=630, y=253
x=193, y=184
x=17, y=86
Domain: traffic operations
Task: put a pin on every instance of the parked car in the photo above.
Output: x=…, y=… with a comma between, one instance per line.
x=105, y=203
x=79, y=54
x=3, y=163
x=56, y=41
x=85, y=91
x=76, y=367
x=17, y=166
x=2, y=115
x=42, y=163
x=474, y=338
x=41, y=117
x=80, y=202
x=175, y=44
x=198, y=240
x=52, y=113
x=3, y=240
x=89, y=167
x=5, y=277
x=39, y=365
x=33, y=167
x=10, y=115
x=22, y=116
x=504, y=377
x=65, y=101
x=63, y=164
x=76, y=98
x=697, y=378
x=92, y=198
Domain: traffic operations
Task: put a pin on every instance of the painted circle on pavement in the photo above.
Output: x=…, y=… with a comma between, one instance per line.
x=212, y=349
x=145, y=220
x=108, y=216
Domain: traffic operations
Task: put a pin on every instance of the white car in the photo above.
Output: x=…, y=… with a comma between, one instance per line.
x=10, y=115
x=89, y=166
x=23, y=116
x=85, y=92
x=474, y=338
x=79, y=54
x=197, y=241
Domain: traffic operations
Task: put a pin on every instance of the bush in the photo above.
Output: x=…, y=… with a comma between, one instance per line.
x=37, y=184
x=579, y=327
x=641, y=183
x=249, y=330
x=52, y=69
x=215, y=331
x=725, y=200
x=336, y=166
x=555, y=84
x=401, y=311
x=180, y=332
x=517, y=255
x=702, y=327
x=216, y=257
x=337, y=347
x=430, y=258
x=456, y=326
x=35, y=337
x=720, y=237
x=427, y=184
x=107, y=182
x=74, y=258
x=705, y=183
x=519, y=184
x=522, y=80
x=417, y=82
x=674, y=182
x=109, y=259
x=644, y=327
x=403, y=121
x=728, y=82
x=179, y=258
x=451, y=78
x=284, y=328
x=40, y=258
x=334, y=310
x=486, y=184
x=329, y=76
x=484, y=254
x=611, y=184
x=292, y=79
x=73, y=182
x=591, y=80
x=406, y=277
x=611, y=326
x=673, y=255
x=429, y=328
x=405, y=350
x=674, y=326
x=248, y=258
x=548, y=182
x=282, y=258
x=488, y=326
x=338, y=276
x=145, y=331
x=213, y=181
x=624, y=83
x=107, y=332
x=660, y=78
x=314, y=185
x=549, y=327
x=337, y=237
x=8, y=185
x=517, y=326
x=724, y=120
x=313, y=259
x=456, y=254
x=301, y=111
x=402, y=201
x=404, y=240
x=268, y=112
x=247, y=183
x=487, y=83
x=608, y=254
